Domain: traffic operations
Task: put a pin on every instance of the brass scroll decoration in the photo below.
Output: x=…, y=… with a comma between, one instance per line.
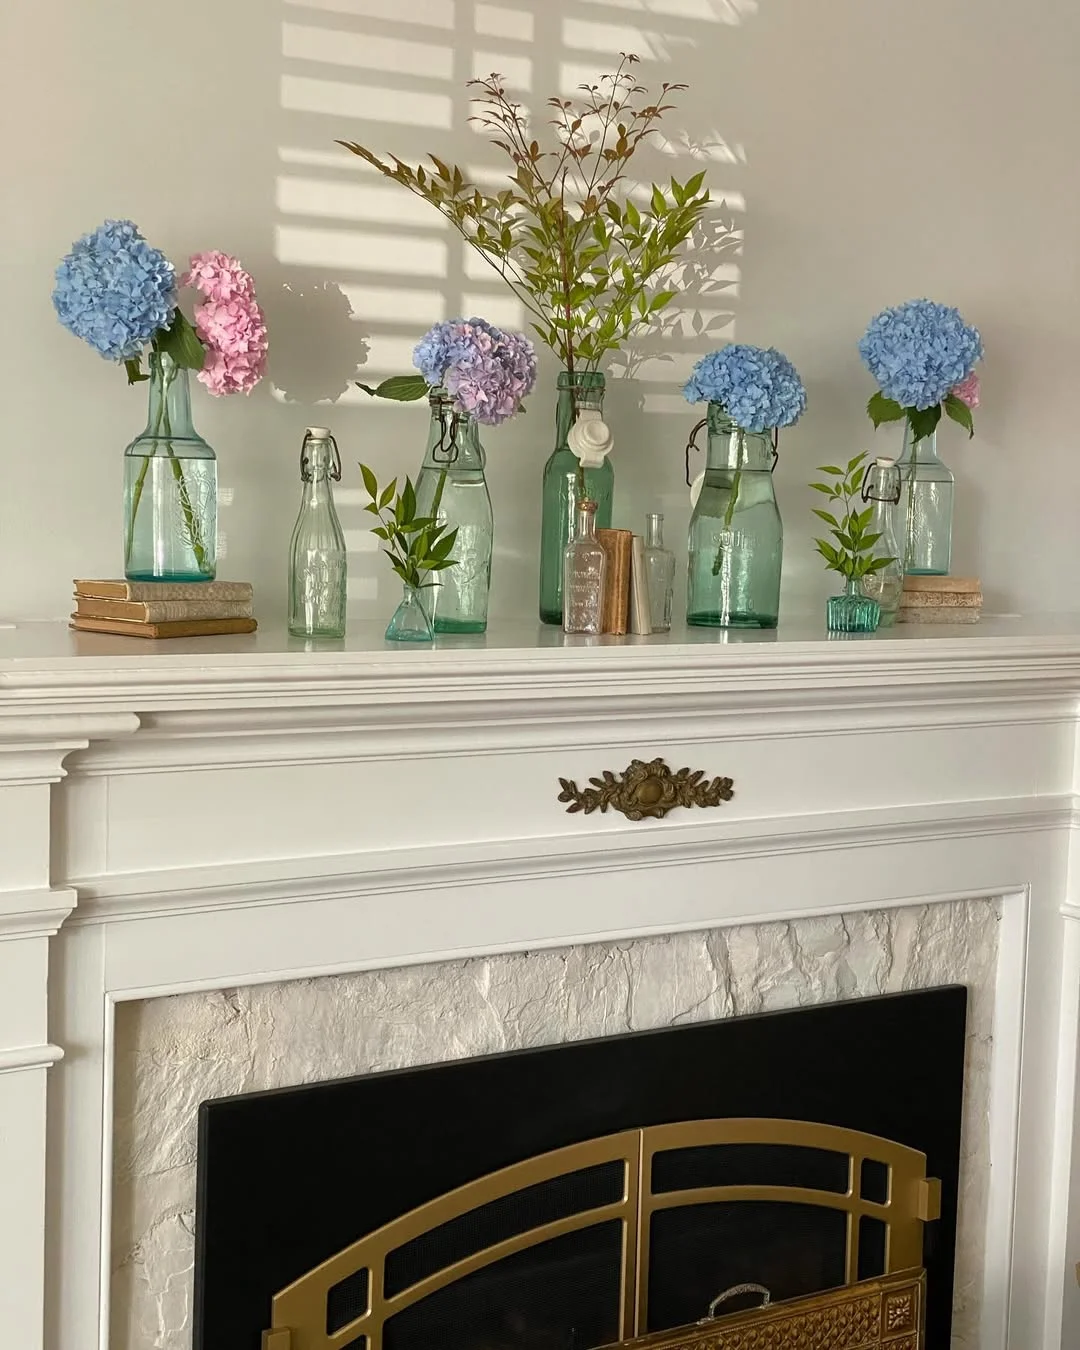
x=645, y=790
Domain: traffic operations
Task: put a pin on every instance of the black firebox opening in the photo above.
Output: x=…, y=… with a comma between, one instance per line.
x=290, y=1177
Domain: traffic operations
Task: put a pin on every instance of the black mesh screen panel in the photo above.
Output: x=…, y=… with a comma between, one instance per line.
x=685, y=1169
x=503, y=1218
x=558, y=1295
x=698, y=1251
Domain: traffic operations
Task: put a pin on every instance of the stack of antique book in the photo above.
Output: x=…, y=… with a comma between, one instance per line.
x=163, y=609
x=940, y=600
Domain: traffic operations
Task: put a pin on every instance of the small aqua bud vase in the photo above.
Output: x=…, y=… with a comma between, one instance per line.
x=852, y=612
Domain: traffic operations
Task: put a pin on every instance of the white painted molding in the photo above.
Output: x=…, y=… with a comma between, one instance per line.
x=36, y=911
x=291, y=881
x=30, y=1057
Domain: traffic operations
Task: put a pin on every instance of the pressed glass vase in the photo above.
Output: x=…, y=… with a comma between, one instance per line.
x=881, y=492
x=170, y=488
x=317, y=556
x=736, y=540
x=451, y=486
x=927, y=489
x=411, y=621
x=852, y=612
x=564, y=479
x=584, y=565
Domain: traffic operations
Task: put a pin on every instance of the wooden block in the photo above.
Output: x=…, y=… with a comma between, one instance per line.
x=958, y=585
x=937, y=614
x=941, y=600
x=618, y=545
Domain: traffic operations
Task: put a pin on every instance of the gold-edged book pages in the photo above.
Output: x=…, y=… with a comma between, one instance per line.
x=883, y=1314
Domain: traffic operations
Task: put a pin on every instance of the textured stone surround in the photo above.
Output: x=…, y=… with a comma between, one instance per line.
x=172, y=1053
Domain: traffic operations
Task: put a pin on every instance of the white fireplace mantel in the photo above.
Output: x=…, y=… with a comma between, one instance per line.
x=206, y=814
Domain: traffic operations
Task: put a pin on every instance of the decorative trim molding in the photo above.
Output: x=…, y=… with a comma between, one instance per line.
x=35, y=912
x=30, y=1057
x=137, y=895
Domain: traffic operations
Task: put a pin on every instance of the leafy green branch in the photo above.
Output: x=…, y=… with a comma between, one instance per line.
x=587, y=261
x=416, y=545
x=853, y=554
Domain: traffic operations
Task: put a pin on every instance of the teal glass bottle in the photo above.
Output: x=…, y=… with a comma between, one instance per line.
x=411, y=621
x=927, y=488
x=852, y=612
x=564, y=479
x=736, y=540
x=452, y=487
x=318, y=563
x=170, y=487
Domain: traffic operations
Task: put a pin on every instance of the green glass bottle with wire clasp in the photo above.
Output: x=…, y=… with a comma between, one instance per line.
x=580, y=391
x=736, y=536
x=451, y=486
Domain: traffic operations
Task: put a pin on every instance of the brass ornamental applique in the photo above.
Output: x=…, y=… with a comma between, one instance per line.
x=645, y=790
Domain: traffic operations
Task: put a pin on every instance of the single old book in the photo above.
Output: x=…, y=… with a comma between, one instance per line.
x=147, y=592
x=941, y=599
x=161, y=611
x=181, y=628
x=640, y=615
x=617, y=545
x=944, y=585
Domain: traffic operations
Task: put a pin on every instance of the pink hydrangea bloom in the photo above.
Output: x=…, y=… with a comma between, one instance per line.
x=229, y=322
x=967, y=391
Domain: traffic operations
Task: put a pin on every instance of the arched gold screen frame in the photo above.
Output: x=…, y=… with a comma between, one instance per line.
x=299, y=1311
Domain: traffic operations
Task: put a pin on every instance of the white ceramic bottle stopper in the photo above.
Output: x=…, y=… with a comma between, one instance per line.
x=590, y=438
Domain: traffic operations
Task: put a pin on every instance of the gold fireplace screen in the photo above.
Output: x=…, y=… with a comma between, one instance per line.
x=300, y=1312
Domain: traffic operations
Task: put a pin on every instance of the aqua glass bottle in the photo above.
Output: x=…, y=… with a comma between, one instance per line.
x=453, y=476
x=170, y=487
x=927, y=489
x=563, y=480
x=881, y=492
x=318, y=563
x=736, y=540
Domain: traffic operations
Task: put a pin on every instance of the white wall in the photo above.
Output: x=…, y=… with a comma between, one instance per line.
x=875, y=150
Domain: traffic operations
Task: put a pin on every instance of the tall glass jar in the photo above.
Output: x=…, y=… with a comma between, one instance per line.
x=564, y=479
x=660, y=573
x=170, y=487
x=881, y=492
x=927, y=488
x=736, y=541
x=452, y=487
x=318, y=563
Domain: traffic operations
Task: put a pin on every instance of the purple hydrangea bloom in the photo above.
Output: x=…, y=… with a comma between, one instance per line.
x=114, y=291
x=487, y=372
x=757, y=387
x=919, y=351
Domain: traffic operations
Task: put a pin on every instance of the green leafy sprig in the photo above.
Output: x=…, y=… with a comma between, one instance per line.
x=179, y=340
x=589, y=263
x=853, y=554
x=416, y=545
x=923, y=421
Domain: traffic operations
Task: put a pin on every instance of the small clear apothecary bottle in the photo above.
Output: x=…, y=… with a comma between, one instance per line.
x=584, y=564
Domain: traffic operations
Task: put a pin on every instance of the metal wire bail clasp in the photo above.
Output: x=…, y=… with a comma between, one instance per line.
x=692, y=444
x=886, y=464
x=446, y=451
x=306, y=474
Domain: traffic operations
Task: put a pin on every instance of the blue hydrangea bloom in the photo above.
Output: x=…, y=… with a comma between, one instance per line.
x=443, y=346
x=114, y=291
x=757, y=387
x=918, y=351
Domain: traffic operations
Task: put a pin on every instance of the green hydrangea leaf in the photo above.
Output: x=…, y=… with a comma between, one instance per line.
x=960, y=412
x=882, y=409
x=181, y=342
x=399, y=388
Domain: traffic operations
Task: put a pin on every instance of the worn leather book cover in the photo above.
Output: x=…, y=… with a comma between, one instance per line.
x=161, y=611
x=150, y=591
x=181, y=628
x=617, y=545
x=640, y=616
